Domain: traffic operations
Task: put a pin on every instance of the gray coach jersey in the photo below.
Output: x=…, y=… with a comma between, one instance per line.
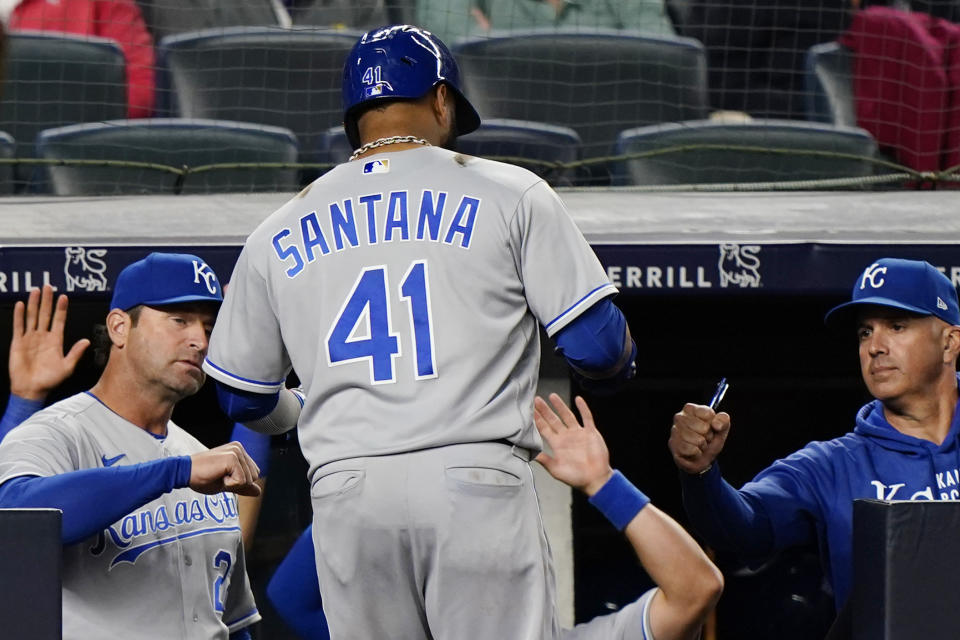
x=174, y=568
x=405, y=290
x=630, y=623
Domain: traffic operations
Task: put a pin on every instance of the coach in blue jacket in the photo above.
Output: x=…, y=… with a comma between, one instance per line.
x=904, y=446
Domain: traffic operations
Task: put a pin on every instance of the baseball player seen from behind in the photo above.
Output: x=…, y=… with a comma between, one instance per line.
x=152, y=544
x=405, y=288
x=904, y=315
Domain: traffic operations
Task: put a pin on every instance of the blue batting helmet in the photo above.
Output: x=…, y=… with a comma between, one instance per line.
x=399, y=62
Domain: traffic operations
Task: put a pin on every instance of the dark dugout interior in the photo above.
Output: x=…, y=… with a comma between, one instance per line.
x=791, y=381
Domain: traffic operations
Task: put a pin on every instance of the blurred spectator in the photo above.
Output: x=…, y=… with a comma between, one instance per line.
x=341, y=14
x=906, y=83
x=648, y=16
x=452, y=20
x=756, y=50
x=119, y=20
x=166, y=17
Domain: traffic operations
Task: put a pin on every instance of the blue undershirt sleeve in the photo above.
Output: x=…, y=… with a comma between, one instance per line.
x=18, y=410
x=256, y=444
x=725, y=517
x=295, y=593
x=242, y=634
x=597, y=344
x=244, y=406
x=93, y=499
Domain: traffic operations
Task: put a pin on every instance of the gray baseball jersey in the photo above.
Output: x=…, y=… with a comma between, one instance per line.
x=629, y=623
x=405, y=290
x=173, y=568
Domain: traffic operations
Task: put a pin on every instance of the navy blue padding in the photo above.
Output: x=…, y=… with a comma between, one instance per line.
x=829, y=84
x=281, y=77
x=699, y=166
x=55, y=79
x=496, y=138
x=172, y=142
x=595, y=81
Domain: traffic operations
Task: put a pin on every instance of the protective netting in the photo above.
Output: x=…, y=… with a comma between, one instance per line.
x=171, y=96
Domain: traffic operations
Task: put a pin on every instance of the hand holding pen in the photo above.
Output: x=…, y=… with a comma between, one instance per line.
x=699, y=433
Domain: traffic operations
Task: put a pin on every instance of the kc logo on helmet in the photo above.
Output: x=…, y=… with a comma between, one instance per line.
x=871, y=273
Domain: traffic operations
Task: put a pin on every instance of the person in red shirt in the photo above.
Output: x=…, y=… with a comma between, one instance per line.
x=119, y=20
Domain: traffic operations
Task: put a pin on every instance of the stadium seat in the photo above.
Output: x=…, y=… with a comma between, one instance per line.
x=7, y=148
x=829, y=85
x=53, y=79
x=283, y=78
x=515, y=140
x=687, y=164
x=170, y=142
x=598, y=82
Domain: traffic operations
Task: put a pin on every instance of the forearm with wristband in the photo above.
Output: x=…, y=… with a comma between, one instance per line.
x=619, y=501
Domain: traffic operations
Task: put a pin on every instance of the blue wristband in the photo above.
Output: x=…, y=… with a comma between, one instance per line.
x=619, y=501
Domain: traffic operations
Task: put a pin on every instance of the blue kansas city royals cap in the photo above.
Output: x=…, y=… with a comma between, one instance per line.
x=911, y=285
x=166, y=278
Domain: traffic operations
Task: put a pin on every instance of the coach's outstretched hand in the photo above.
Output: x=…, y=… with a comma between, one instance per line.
x=225, y=468
x=37, y=362
x=697, y=437
x=580, y=456
x=689, y=585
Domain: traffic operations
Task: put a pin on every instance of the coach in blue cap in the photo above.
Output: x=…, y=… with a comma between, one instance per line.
x=904, y=445
x=151, y=539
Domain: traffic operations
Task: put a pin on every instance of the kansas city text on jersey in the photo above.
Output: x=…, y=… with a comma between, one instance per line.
x=948, y=486
x=383, y=217
x=200, y=516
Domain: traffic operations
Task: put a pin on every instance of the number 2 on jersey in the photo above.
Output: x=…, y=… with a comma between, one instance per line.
x=363, y=330
x=221, y=561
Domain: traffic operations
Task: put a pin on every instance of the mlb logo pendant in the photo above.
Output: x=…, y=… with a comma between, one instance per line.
x=377, y=166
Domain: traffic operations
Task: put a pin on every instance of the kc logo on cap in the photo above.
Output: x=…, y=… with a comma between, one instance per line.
x=166, y=278
x=871, y=274
x=911, y=285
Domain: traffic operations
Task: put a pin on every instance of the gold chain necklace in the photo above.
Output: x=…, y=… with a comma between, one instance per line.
x=382, y=142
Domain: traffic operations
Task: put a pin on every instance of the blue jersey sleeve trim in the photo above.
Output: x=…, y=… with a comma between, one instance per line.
x=239, y=382
x=577, y=307
x=645, y=617
x=18, y=410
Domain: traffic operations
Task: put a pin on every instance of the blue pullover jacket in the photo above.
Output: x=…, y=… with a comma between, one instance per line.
x=808, y=496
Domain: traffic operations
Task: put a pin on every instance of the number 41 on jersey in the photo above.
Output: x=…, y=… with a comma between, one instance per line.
x=363, y=329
